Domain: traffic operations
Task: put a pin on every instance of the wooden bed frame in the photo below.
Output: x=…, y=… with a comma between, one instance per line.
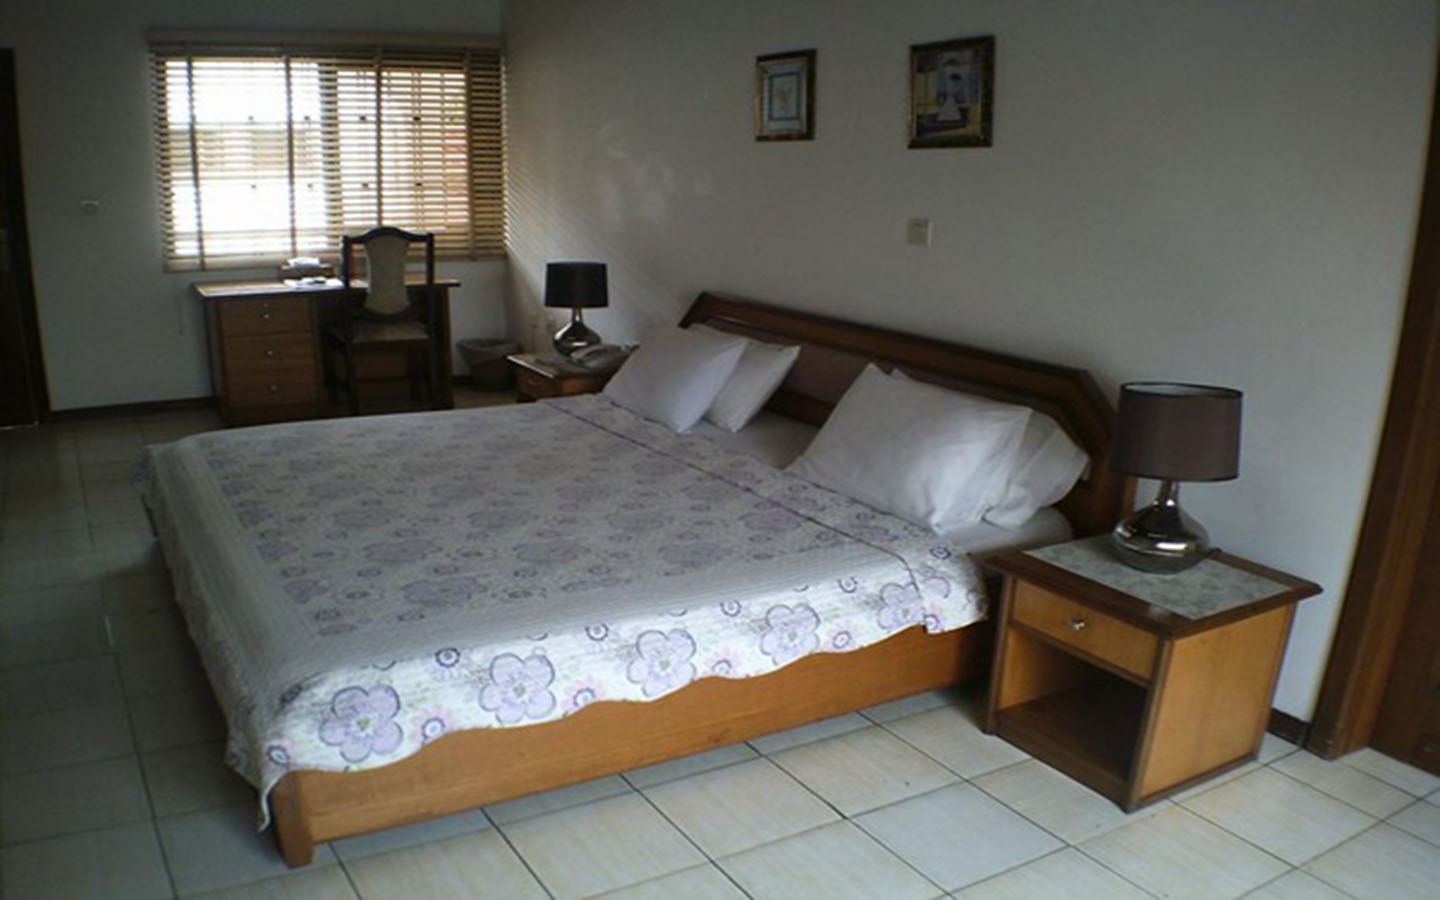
x=472, y=768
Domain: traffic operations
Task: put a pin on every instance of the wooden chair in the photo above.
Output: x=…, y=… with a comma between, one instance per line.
x=393, y=317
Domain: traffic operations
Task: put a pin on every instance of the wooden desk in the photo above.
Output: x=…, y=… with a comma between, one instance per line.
x=266, y=349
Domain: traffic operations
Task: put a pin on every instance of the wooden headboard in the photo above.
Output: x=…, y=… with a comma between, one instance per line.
x=833, y=352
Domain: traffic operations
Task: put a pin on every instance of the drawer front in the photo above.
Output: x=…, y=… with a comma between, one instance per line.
x=270, y=370
x=239, y=318
x=1121, y=644
x=533, y=385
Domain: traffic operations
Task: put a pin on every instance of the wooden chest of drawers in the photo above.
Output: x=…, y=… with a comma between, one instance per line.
x=264, y=358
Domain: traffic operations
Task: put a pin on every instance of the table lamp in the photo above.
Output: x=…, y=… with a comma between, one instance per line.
x=1172, y=432
x=576, y=286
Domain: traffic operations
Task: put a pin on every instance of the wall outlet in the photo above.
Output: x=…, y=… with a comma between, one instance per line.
x=917, y=232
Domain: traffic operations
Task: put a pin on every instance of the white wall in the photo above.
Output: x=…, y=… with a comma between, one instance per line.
x=115, y=328
x=1218, y=192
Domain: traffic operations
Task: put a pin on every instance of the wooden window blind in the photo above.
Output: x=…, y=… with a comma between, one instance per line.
x=269, y=152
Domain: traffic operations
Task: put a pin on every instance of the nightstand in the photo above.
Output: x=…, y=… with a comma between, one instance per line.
x=537, y=377
x=1137, y=684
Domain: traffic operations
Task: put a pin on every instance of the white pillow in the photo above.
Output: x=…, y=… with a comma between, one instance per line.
x=930, y=455
x=674, y=375
x=1046, y=467
x=759, y=373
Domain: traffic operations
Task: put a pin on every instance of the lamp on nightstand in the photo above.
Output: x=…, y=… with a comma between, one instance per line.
x=1173, y=432
x=575, y=286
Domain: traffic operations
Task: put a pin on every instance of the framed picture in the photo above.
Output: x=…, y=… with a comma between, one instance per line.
x=952, y=93
x=785, y=96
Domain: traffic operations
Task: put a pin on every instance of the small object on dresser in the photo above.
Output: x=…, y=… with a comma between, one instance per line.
x=1173, y=432
x=307, y=269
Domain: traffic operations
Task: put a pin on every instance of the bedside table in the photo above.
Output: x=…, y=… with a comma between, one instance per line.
x=538, y=376
x=1137, y=684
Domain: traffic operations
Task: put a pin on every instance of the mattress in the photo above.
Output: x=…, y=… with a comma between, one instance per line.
x=358, y=588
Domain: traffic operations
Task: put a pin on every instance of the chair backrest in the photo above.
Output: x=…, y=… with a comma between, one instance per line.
x=386, y=250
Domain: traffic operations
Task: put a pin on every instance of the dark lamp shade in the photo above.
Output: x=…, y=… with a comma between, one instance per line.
x=1178, y=432
x=570, y=285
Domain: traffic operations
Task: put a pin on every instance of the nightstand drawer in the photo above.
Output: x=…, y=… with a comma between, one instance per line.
x=246, y=317
x=1122, y=645
x=532, y=384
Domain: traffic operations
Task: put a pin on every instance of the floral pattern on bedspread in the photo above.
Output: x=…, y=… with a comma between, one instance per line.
x=404, y=529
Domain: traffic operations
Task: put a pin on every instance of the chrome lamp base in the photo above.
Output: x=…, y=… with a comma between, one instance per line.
x=1161, y=537
x=575, y=336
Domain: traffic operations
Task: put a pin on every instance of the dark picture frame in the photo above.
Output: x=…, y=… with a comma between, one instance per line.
x=785, y=96
x=952, y=93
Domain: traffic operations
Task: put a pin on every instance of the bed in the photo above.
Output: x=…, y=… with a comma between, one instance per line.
x=394, y=635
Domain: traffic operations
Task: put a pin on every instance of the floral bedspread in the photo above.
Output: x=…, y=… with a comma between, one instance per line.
x=360, y=587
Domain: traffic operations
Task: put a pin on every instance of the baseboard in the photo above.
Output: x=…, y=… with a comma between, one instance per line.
x=87, y=413
x=1283, y=725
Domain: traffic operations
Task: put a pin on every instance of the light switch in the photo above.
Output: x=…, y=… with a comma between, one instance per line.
x=917, y=232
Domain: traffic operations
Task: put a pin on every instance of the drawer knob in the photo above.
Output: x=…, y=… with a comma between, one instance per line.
x=269, y=353
x=265, y=315
x=1077, y=623
x=274, y=388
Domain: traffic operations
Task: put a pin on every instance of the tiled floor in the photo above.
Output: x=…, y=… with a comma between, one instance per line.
x=111, y=783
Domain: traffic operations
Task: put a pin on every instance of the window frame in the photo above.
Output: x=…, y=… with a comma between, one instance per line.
x=471, y=227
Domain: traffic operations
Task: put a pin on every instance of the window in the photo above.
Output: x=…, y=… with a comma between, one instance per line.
x=271, y=152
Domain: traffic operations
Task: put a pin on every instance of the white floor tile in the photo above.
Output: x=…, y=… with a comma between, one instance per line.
x=328, y=883
x=1392, y=771
x=1422, y=819
x=1297, y=885
x=1066, y=875
x=161, y=670
x=909, y=706
x=377, y=842
x=805, y=734
x=1273, y=748
x=739, y=807
x=219, y=848
x=139, y=630
x=191, y=778
x=22, y=645
x=1177, y=854
x=864, y=769
x=701, y=883
x=1382, y=862
x=834, y=862
x=50, y=687
x=601, y=846
x=958, y=835
x=468, y=865
x=689, y=765
x=75, y=735
x=122, y=861
x=1059, y=804
x=59, y=801
x=175, y=719
x=1281, y=815
x=533, y=805
x=137, y=593
x=1211, y=784
x=55, y=604
x=1345, y=783
x=950, y=735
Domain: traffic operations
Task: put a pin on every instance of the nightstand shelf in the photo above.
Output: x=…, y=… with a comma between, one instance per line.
x=1137, y=685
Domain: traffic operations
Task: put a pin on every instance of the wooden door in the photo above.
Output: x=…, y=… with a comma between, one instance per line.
x=23, y=397
x=1408, y=727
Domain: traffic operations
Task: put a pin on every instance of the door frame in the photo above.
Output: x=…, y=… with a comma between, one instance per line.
x=12, y=193
x=1407, y=472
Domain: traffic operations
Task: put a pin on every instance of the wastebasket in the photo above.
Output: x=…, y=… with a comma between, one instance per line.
x=486, y=359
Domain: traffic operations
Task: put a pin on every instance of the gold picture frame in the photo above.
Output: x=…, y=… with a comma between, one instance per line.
x=952, y=93
x=785, y=96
